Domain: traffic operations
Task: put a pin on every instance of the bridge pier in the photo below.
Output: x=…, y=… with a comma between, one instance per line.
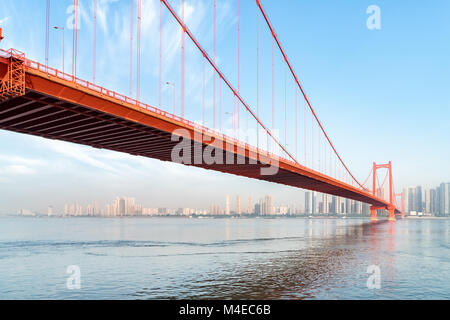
x=373, y=212
x=391, y=213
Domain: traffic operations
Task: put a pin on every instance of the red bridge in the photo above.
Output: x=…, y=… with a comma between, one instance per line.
x=39, y=100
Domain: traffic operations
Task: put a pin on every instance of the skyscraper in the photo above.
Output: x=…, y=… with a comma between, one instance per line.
x=412, y=199
x=268, y=203
x=130, y=206
x=50, y=211
x=444, y=199
x=337, y=205
x=419, y=205
x=122, y=207
x=309, y=202
x=325, y=203
x=227, y=205
x=432, y=201
x=238, y=205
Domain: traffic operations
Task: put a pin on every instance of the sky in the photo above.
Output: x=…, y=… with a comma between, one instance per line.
x=381, y=94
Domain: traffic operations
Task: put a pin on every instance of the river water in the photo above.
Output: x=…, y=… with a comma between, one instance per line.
x=176, y=258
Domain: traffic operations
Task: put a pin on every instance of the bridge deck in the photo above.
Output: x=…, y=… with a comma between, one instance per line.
x=57, y=108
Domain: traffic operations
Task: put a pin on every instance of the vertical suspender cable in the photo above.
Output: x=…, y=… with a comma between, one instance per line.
x=273, y=87
x=257, y=77
x=285, y=105
x=160, y=54
x=304, y=134
x=296, y=126
x=94, y=53
x=239, y=62
x=183, y=39
x=214, y=72
x=47, y=32
x=138, y=52
x=203, y=100
x=131, y=48
x=74, y=38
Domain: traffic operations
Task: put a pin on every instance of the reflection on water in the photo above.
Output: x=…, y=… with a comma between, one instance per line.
x=224, y=259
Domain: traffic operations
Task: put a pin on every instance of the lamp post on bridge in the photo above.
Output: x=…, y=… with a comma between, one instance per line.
x=61, y=28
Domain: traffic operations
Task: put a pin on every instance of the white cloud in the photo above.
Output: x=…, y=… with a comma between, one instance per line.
x=16, y=165
x=80, y=153
x=21, y=160
x=17, y=169
x=4, y=20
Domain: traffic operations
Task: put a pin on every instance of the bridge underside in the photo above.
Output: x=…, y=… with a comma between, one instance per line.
x=56, y=109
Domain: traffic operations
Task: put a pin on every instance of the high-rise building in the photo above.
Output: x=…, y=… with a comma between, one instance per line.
x=249, y=206
x=131, y=209
x=108, y=210
x=115, y=210
x=444, y=199
x=309, y=202
x=96, y=208
x=337, y=205
x=258, y=208
x=412, y=199
x=122, y=207
x=238, y=205
x=405, y=200
x=268, y=205
x=428, y=201
x=227, y=205
x=50, y=211
x=418, y=198
x=348, y=206
x=365, y=208
x=325, y=207
x=432, y=201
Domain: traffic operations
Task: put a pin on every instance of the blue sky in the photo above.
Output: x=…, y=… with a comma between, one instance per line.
x=381, y=94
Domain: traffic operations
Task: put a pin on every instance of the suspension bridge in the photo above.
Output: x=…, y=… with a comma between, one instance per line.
x=40, y=100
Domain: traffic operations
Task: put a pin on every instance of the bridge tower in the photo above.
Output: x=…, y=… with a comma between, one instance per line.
x=12, y=82
x=391, y=206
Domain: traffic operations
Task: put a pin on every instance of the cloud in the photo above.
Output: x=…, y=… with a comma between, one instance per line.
x=4, y=20
x=81, y=154
x=21, y=160
x=15, y=165
x=17, y=169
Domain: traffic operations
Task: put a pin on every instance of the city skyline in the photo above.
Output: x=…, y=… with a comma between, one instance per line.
x=416, y=201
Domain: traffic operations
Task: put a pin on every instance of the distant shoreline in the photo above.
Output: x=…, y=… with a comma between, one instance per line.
x=200, y=217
